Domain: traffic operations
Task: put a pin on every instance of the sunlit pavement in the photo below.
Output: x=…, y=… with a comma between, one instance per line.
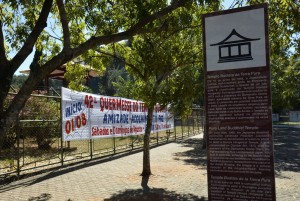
x=179, y=173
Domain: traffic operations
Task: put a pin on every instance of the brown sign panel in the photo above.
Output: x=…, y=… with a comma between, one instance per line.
x=238, y=105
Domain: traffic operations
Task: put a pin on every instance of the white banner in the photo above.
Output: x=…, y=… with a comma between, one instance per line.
x=89, y=116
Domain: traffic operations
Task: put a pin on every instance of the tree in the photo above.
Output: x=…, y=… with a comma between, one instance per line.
x=155, y=62
x=165, y=67
x=278, y=66
x=284, y=33
x=62, y=31
x=18, y=81
x=114, y=72
x=293, y=77
x=286, y=82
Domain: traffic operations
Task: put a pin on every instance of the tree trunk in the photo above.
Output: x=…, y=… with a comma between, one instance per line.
x=146, y=154
x=9, y=116
x=5, y=81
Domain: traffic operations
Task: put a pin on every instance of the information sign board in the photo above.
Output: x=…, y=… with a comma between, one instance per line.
x=238, y=104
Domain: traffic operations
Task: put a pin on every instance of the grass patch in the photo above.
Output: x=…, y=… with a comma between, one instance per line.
x=287, y=123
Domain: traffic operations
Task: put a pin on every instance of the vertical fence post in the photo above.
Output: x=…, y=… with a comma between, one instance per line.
x=198, y=123
x=188, y=122
x=114, y=144
x=168, y=132
x=61, y=131
x=156, y=119
x=202, y=122
x=175, y=130
x=23, y=152
x=181, y=128
x=193, y=125
x=18, y=130
x=91, y=148
x=62, y=151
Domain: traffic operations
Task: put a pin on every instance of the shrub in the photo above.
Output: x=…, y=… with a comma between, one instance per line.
x=39, y=119
x=43, y=116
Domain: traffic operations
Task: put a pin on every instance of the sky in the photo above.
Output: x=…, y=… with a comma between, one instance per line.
x=25, y=65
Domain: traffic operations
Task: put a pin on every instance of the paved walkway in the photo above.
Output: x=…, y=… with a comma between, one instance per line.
x=179, y=173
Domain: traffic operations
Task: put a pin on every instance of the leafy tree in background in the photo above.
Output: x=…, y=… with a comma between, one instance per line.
x=18, y=81
x=63, y=30
x=154, y=62
x=286, y=89
x=293, y=75
x=278, y=66
x=284, y=33
x=114, y=73
x=77, y=77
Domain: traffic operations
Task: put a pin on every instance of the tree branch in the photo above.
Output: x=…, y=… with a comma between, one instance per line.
x=133, y=67
x=134, y=30
x=2, y=48
x=161, y=13
x=161, y=78
x=65, y=56
x=27, y=47
x=175, y=31
x=104, y=40
x=56, y=38
x=64, y=23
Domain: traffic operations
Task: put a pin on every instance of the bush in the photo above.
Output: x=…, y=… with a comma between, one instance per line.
x=43, y=117
x=9, y=139
x=44, y=133
x=39, y=119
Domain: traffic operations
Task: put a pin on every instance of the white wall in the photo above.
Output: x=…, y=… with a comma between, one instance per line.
x=295, y=116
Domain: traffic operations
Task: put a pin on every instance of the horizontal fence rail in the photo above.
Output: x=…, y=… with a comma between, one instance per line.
x=35, y=140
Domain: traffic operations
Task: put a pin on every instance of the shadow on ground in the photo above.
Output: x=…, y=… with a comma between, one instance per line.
x=157, y=194
x=42, y=197
x=46, y=174
x=196, y=156
x=151, y=194
x=286, y=148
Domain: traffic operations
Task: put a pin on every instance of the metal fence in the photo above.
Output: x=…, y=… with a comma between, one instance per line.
x=37, y=143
